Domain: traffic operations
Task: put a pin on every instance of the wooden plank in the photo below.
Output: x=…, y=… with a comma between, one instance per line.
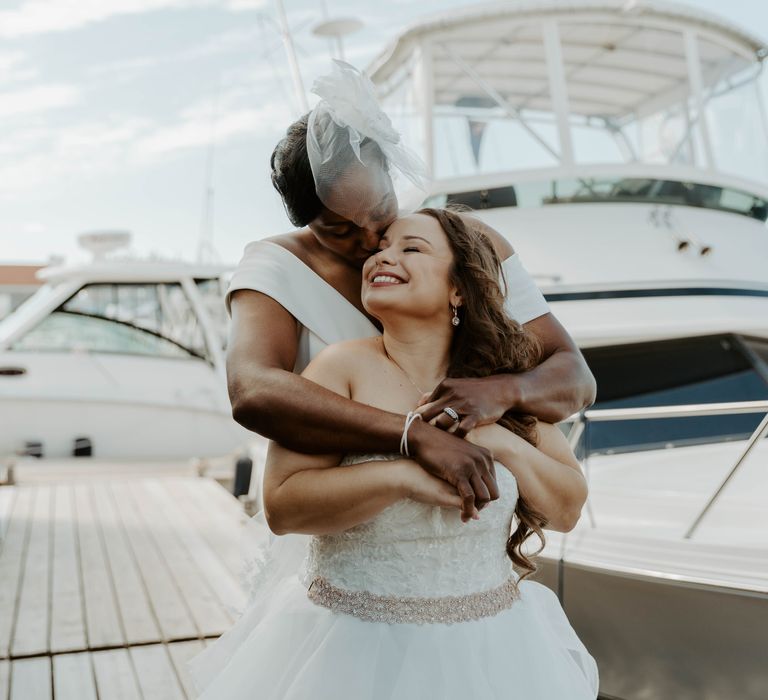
x=31, y=630
x=67, y=604
x=101, y=615
x=115, y=676
x=139, y=621
x=156, y=674
x=7, y=495
x=31, y=679
x=12, y=564
x=209, y=588
x=73, y=677
x=182, y=553
x=5, y=679
x=172, y=614
x=181, y=653
x=205, y=502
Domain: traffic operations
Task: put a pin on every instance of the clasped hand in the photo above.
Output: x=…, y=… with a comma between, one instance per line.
x=478, y=401
x=440, y=449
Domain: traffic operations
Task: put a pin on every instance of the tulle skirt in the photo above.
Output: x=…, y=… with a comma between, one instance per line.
x=296, y=650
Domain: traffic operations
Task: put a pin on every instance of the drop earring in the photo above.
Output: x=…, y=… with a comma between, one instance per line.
x=455, y=320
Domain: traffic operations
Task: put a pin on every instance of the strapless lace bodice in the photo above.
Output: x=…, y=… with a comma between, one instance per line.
x=411, y=549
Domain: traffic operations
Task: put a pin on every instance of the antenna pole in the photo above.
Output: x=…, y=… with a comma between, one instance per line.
x=298, y=83
x=205, y=247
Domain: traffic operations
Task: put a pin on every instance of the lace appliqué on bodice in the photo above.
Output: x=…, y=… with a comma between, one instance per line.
x=419, y=551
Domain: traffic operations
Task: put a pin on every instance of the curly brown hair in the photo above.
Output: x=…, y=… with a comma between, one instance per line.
x=488, y=341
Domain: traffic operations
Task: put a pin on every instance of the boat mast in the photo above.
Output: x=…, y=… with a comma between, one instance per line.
x=285, y=32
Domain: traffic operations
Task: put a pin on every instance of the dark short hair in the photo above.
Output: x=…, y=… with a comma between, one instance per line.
x=292, y=175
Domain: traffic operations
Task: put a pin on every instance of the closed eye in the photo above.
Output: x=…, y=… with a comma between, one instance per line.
x=338, y=229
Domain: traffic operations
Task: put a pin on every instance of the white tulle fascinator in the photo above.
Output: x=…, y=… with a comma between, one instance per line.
x=358, y=160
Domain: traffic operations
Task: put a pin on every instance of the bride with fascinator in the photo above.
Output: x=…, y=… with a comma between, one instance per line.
x=413, y=499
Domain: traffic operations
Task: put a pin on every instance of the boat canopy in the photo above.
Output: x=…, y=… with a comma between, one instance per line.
x=553, y=83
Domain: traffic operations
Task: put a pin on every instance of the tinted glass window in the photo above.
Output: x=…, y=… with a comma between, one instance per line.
x=609, y=189
x=212, y=294
x=711, y=369
x=143, y=319
x=67, y=332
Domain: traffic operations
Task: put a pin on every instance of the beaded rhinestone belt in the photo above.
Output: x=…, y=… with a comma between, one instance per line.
x=394, y=609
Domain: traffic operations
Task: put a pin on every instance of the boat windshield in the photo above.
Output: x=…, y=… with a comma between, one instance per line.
x=134, y=319
x=708, y=369
x=27, y=309
x=609, y=189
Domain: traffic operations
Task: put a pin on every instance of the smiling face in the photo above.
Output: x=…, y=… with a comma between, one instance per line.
x=411, y=271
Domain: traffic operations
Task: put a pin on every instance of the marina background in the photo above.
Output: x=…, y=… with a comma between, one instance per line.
x=110, y=112
x=158, y=117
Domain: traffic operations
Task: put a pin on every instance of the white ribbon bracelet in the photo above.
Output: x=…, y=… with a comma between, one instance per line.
x=412, y=416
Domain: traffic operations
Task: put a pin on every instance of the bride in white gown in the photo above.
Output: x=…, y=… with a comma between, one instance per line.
x=398, y=598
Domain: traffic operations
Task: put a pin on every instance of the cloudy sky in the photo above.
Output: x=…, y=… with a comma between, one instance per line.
x=108, y=109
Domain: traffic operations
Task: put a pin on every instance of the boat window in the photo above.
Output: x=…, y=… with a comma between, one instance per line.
x=136, y=319
x=709, y=369
x=758, y=348
x=39, y=300
x=589, y=190
x=212, y=293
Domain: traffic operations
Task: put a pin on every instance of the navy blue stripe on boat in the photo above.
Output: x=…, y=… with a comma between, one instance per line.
x=668, y=292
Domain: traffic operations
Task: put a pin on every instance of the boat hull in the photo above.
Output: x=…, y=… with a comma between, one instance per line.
x=657, y=637
x=125, y=406
x=117, y=430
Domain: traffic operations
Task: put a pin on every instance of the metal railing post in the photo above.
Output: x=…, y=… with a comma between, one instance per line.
x=582, y=421
x=760, y=432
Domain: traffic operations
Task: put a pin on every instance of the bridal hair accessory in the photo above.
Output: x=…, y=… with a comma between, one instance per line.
x=455, y=320
x=412, y=416
x=354, y=151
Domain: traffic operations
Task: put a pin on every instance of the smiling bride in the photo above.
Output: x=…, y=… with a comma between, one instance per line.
x=401, y=597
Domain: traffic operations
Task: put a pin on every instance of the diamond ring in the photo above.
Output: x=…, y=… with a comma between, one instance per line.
x=452, y=414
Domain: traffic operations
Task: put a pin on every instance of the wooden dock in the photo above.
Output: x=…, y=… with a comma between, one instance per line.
x=107, y=587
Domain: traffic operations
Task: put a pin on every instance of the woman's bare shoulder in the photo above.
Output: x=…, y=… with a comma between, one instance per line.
x=338, y=366
x=296, y=242
x=352, y=352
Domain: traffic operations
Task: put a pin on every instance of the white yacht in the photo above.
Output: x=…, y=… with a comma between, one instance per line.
x=622, y=147
x=118, y=359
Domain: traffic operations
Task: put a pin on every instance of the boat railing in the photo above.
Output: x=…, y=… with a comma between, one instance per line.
x=580, y=429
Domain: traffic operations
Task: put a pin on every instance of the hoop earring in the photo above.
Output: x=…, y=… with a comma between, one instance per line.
x=455, y=320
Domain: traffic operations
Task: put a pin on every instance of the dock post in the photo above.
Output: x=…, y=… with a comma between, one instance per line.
x=243, y=469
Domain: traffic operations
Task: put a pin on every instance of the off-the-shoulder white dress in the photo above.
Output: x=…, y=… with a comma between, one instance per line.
x=326, y=316
x=412, y=605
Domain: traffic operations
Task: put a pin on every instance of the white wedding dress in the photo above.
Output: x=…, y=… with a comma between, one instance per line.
x=412, y=605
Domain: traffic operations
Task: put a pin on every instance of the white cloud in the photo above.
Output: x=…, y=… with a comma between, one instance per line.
x=239, y=5
x=42, y=16
x=37, y=99
x=13, y=68
x=36, y=157
x=238, y=40
x=195, y=130
x=33, y=227
x=72, y=142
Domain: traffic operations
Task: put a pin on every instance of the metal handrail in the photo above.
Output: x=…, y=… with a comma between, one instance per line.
x=581, y=421
x=760, y=432
x=682, y=411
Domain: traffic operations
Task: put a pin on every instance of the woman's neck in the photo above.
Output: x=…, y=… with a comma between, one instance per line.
x=420, y=349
